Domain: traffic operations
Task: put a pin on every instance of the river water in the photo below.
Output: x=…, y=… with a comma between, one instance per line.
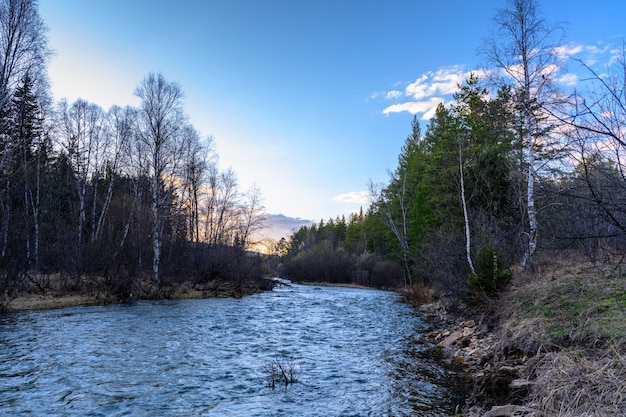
x=353, y=351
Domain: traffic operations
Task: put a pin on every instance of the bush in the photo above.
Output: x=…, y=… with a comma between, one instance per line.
x=491, y=275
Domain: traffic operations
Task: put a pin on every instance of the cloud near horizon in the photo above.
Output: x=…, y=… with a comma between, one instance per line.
x=358, y=197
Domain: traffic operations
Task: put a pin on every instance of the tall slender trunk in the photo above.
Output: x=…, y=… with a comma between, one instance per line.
x=468, y=243
x=5, y=228
x=156, y=230
x=94, y=206
x=530, y=187
x=26, y=222
x=35, y=207
x=105, y=208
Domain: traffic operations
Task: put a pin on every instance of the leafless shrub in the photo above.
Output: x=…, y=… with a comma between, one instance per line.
x=416, y=294
x=281, y=371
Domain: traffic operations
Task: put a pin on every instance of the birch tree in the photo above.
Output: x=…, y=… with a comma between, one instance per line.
x=221, y=207
x=523, y=49
x=160, y=119
x=252, y=217
x=23, y=46
x=395, y=202
x=23, y=51
x=198, y=157
x=598, y=116
x=118, y=134
x=80, y=129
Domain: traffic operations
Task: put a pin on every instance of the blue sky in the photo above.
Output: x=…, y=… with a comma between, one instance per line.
x=307, y=99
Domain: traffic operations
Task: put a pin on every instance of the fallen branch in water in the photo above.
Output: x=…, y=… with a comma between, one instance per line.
x=281, y=371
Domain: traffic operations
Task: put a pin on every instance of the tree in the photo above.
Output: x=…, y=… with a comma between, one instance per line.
x=27, y=138
x=198, y=158
x=117, y=144
x=23, y=53
x=221, y=207
x=160, y=119
x=395, y=201
x=23, y=47
x=598, y=117
x=81, y=134
x=252, y=216
x=523, y=49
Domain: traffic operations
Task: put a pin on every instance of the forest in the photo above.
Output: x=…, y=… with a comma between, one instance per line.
x=517, y=164
x=127, y=202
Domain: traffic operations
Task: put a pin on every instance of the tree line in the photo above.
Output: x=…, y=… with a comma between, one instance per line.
x=127, y=200
x=513, y=165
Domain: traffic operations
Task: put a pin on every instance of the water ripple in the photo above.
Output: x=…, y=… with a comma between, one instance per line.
x=353, y=349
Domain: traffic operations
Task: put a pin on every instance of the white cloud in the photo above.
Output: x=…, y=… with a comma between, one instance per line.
x=567, y=51
x=393, y=94
x=426, y=92
x=441, y=82
x=568, y=79
x=358, y=197
x=426, y=107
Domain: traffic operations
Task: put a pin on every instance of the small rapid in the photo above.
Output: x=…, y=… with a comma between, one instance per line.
x=354, y=351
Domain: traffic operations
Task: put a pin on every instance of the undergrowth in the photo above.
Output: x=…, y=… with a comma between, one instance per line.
x=565, y=321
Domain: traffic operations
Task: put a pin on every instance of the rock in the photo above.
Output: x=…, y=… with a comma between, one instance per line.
x=468, y=331
x=507, y=410
x=450, y=339
x=520, y=383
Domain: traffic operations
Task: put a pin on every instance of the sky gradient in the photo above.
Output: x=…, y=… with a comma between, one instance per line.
x=308, y=100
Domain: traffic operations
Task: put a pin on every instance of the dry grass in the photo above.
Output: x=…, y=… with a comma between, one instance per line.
x=563, y=326
x=574, y=383
x=573, y=304
x=416, y=294
x=39, y=302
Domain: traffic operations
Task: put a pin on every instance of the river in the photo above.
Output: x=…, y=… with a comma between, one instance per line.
x=353, y=351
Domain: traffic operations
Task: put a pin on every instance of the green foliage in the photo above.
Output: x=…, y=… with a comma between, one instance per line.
x=492, y=276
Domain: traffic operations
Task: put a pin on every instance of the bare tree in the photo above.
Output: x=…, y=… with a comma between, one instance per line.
x=80, y=129
x=468, y=235
x=23, y=46
x=221, y=207
x=523, y=49
x=396, y=220
x=117, y=136
x=198, y=156
x=598, y=117
x=253, y=217
x=160, y=119
x=23, y=52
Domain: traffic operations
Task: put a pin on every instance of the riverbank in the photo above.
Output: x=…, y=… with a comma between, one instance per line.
x=53, y=296
x=553, y=344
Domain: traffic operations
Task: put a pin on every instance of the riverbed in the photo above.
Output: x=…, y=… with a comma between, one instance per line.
x=353, y=352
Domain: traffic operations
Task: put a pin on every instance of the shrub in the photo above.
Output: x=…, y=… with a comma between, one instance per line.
x=281, y=371
x=491, y=275
x=416, y=294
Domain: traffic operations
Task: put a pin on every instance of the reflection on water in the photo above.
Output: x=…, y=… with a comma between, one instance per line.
x=356, y=350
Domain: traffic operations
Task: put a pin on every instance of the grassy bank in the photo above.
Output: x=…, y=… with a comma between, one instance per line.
x=57, y=293
x=553, y=344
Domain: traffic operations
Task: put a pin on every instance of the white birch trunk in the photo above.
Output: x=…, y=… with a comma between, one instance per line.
x=156, y=230
x=468, y=243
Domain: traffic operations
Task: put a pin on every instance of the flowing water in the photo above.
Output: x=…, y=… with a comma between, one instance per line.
x=354, y=352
